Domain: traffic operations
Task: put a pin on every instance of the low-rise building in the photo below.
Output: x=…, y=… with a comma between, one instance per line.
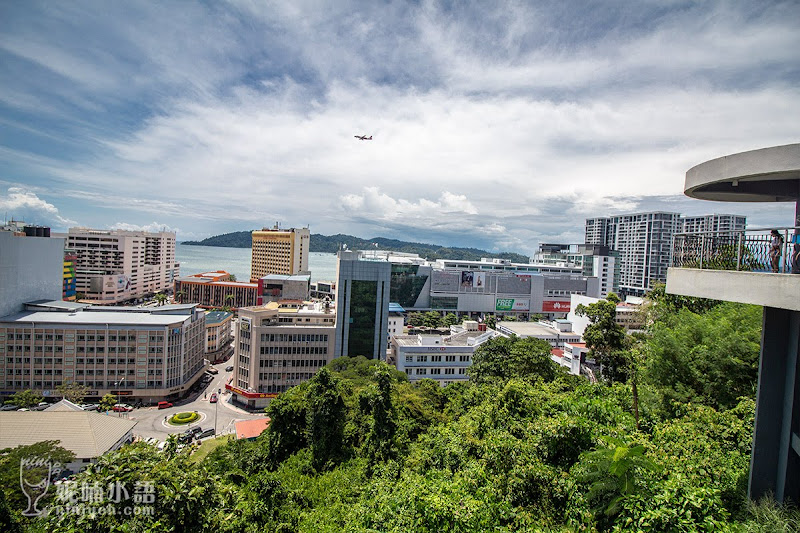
x=628, y=313
x=277, y=287
x=86, y=434
x=557, y=333
x=218, y=334
x=443, y=358
x=279, y=345
x=148, y=354
x=217, y=289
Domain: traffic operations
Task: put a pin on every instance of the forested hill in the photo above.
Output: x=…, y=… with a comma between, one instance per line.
x=331, y=243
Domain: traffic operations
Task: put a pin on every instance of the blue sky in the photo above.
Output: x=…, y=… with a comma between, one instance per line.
x=493, y=126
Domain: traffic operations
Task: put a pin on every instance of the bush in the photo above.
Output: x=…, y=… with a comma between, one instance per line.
x=184, y=418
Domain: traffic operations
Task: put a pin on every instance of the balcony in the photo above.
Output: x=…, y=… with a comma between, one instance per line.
x=737, y=266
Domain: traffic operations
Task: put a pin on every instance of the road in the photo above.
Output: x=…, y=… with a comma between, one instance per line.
x=223, y=415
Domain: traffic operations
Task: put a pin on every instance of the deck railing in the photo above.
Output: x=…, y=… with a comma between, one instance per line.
x=747, y=250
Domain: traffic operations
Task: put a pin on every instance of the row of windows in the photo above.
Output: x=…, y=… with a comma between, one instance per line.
x=437, y=358
x=436, y=371
x=286, y=337
x=294, y=350
x=269, y=363
x=292, y=376
x=82, y=360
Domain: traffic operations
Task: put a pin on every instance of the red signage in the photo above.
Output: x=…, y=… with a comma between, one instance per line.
x=251, y=395
x=554, y=306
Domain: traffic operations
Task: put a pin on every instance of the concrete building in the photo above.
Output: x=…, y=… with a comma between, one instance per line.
x=766, y=175
x=70, y=278
x=279, y=346
x=86, y=434
x=397, y=319
x=644, y=243
x=628, y=314
x=277, y=287
x=218, y=334
x=595, y=260
x=362, y=305
x=279, y=251
x=322, y=290
x=216, y=289
x=31, y=268
x=557, y=332
x=712, y=223
x=114, y=266
x=443, y=358
x=147, y=354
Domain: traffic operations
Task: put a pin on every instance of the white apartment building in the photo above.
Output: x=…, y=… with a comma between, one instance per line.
x=218, y=332
x=443, y=358
x=31, y=268
x=713, y=223
x=116, y=265
x=644, y=243
x=279, y=251
x=279, y=346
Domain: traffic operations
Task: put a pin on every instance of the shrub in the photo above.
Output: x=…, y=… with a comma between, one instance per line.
x=184, y=418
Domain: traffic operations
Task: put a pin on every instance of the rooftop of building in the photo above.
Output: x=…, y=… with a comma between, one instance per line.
x=86, y=434
x=55, y=305
x=250, y=429
x=464, y=338
x=217, y=317
x=287, y=277
x=165, y=315
x=531, y=329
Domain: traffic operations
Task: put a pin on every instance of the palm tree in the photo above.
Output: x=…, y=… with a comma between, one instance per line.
x=161, y=298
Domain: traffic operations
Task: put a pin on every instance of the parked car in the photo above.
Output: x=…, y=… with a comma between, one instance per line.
x=183, y=438
x=212, y=370
x=213, y=398
x=194, y=431
x=122, y=408
x=41, y=407
x=164, y=405
x=229, y=368
x=89, y=407
x=9, y=407
x=205, y=433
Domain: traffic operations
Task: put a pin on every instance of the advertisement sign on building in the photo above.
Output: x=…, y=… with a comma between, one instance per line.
x=512, y=304
x=466, y=278
x=554, y=306
x=478, y=280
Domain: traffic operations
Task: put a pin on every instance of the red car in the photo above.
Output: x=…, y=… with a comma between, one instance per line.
x=213, y=398
x=122, y=408
x=164, y=405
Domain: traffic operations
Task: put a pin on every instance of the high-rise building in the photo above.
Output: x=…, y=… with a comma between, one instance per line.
x=117, y=265
x=595, y=260
x=644, y=243
x=31, y=267
x=713, y=223
x=279, y=251
x=279, y=346
x=148, y=354
x=362, y=305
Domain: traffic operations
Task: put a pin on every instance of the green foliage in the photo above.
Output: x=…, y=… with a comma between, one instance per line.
x=505, y=358
x=605, y=338
x=71, y=391
x=450, y=319
x=661, y=305
x=26, y=398
x=710, y=358
x=107, y=402
x=325, y=419
x=10, y=464
x=767, y=516
x=184, y=418
x=361, y=371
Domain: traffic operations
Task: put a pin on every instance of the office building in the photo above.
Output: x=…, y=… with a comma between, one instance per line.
x=644, y=243
x=70, y=262
x=217, y=289
x=218, y=335
x=443, y=358
x=594, y=260
x=277, y=287
x=362, y=305
x=628, y=314
x=279, y=346
x=31, y=267
x=147, y=354
x=114, y=266
x=279, y=251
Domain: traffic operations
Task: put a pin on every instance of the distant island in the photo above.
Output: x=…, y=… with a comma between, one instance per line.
x=331, y=243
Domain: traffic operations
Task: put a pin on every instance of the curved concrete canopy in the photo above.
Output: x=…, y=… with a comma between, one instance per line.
x=765, y=175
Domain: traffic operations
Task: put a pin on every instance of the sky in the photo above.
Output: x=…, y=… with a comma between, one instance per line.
x=496, y=125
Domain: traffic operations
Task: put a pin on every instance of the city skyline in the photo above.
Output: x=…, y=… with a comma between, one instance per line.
x=492, y=127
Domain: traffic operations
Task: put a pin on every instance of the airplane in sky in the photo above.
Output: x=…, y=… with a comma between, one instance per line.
x=363, y=137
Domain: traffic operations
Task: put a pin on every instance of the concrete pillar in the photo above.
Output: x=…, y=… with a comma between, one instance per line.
x=775, y=461
x=795, y=262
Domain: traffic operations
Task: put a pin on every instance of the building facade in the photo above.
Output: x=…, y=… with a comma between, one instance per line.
x=216, y=289
x=595, y=260
x=279, y=346
x=31, y=268
x=644, y=243
x=713, y=223
x=279, y=251
x=147, y=354
x=69, y=288
x=218, y=334
x=114, y=266
x=362, y=306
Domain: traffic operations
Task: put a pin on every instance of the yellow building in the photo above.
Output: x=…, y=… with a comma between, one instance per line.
x=279, y=251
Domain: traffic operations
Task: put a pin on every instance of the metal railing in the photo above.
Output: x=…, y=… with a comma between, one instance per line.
x=750, y=250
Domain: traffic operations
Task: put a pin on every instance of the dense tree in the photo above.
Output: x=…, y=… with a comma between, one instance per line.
x=107, y=402
x=73, y=392
x=325, y=419
x=505, y=358
x=450, y=319
x=605, y=338
x=26, y=398
x=11, y=465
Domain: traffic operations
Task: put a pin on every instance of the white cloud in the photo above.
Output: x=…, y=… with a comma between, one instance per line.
x=154, y=227
x=25, y=205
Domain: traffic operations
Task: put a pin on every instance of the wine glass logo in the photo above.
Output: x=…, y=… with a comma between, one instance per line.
x=34, y=480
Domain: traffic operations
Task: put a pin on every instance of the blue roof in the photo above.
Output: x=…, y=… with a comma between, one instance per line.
x=214, y=317
x=395, y=308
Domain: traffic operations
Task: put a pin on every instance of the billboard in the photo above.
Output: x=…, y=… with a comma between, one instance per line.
x=512, y=304
x=478, y=280
x=555, y=306
x=466, y=278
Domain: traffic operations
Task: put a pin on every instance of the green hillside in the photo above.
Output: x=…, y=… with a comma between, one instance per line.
x=331, y=243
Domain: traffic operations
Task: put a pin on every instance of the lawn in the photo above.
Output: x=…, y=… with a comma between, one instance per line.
x=209, y=446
